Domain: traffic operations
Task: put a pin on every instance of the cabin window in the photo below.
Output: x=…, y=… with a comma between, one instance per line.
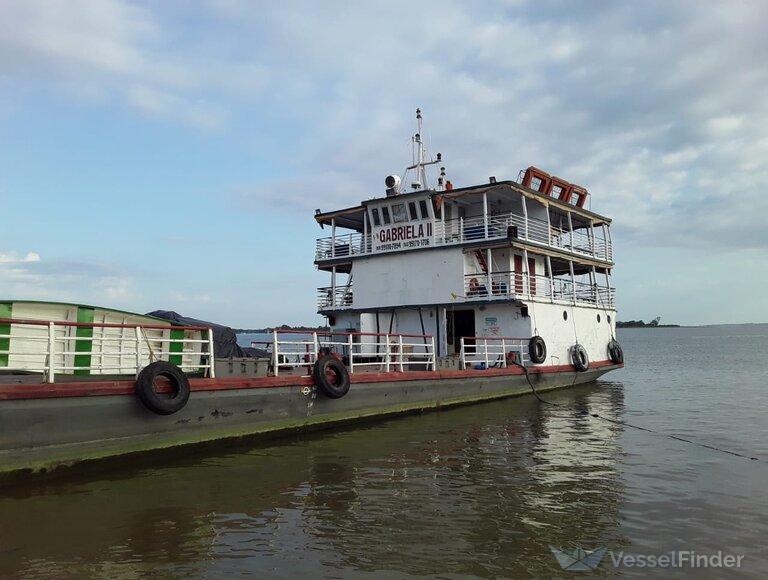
x=398, y=213
x=536, y=183
x=556, y=191
x=423, y=208
x=412, y=210
x=385, y=215
x=375, y=214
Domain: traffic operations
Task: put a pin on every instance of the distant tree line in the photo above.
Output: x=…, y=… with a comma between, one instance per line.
x=281, y=327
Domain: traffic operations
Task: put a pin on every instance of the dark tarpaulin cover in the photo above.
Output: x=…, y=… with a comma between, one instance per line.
x=224, y=338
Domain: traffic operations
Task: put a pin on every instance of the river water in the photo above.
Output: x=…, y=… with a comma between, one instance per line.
x=480, y=491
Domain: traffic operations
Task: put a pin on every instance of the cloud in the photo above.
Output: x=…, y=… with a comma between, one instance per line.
x=652, y=106
x=12, y=258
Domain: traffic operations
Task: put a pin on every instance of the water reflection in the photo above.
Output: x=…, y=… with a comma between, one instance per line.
x=481, y=490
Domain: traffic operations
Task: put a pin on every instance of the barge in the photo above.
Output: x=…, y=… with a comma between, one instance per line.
x=437, y=296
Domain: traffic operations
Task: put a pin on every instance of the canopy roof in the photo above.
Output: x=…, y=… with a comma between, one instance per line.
x=352, y=217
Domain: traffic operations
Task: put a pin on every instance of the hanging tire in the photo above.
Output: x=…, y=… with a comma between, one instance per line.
x=579, y=358
x=537, y=350
x=331, y=376
x=163, y=403
x=615, y=352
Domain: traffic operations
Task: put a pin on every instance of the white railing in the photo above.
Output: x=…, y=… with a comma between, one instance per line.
x=329, y=297
x=461, y=230
x=349, y=244
x=56, y=347
x=485, y=352
x=358, y=350
x=518, y=284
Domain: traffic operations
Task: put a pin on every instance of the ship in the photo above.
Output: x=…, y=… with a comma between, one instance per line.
x=437, y=296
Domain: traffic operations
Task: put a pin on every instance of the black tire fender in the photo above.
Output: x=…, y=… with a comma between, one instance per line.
x=579, y=358
x=158, y=402
x=325, y=367
x=537, y=350
x=615, y=352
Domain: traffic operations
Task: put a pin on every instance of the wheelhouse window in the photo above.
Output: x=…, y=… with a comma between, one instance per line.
x=385, y=215
x=398, y=213
x=413, y=211
x=375, y=214
x=423, y=208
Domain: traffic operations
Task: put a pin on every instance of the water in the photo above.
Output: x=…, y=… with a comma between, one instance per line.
x=480, y=491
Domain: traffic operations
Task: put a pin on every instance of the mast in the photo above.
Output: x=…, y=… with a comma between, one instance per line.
x=420, y=160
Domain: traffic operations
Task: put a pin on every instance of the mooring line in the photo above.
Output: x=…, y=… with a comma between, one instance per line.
x=638, y=427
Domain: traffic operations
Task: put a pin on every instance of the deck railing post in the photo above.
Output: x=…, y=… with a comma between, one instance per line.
x=487, y=361
x=138, y=350
x=211, y=354
x=316, y=346
x=400, y=350
x=351, y=353
x=485, y=214
x=434, y=355
x=275, y=358
x=386, y=353
x=503, y=353
x=51, y=351
x=463, y=355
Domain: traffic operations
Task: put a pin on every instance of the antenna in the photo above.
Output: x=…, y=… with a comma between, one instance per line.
x=420, y=160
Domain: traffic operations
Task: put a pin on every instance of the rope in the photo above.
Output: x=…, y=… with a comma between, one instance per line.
x=638, y=427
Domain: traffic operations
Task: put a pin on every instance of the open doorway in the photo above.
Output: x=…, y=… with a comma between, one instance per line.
x=461, y=323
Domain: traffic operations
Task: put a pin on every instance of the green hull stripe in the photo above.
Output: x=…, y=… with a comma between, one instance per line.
x=175, y=359
x=84, y=346
x=5, y=343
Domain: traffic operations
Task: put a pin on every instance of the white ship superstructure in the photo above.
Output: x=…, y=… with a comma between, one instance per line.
x=475, y=266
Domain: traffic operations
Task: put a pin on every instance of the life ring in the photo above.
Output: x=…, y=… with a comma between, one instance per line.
x=331, y=376
x=579, y=358
x=615, y=352
x=163, y=403
x=537, y=350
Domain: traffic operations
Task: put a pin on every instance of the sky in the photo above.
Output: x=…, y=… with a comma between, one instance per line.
x=170, y=155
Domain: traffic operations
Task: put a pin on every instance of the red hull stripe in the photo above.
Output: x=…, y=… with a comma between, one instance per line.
x=105, y=388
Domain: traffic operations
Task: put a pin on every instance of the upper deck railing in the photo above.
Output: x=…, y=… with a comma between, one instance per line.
x=459, y=231
x=503, y=285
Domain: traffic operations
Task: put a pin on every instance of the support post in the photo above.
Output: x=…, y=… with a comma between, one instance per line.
x=573, y=282
x=525, y=216
x=275, y=357
x=592, y=238
x=503, y=353
x=463, y=354
x=485, y=213
x=400, y=350
x=551, y=280
x=489, y=275
x=549, y=226
x=333, y=237
x=211, y=354
x=333, y=287
x=487, y=361
x=526, y=273
x=138, y=351
x=570, y=230
x=593, y=278
x=351, y=345
x=386, y=353
x=434, y=355
x=605, y=243
x=51, y=351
